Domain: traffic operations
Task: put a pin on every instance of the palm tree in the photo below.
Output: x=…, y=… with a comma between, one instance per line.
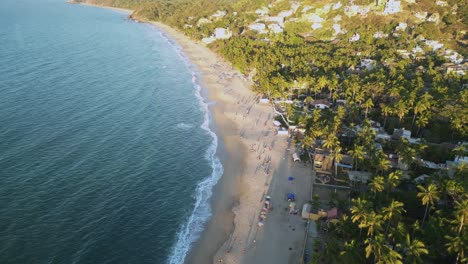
x=337, y=156
x=373, y=223
x=456, y=245
x=377, y=185
x=413, y=250
x=422, y=105
x=392, y=181
x=357, y=153
x=381, y=162
x=375, y=246
x=429, y=196
x=331, y=141
x=359, y=211
x=401, y=110
x=309, y=141
x=422, y=121
x=394, y=210
x=367, y=104
x=461, y=214
x=386, y=110
x=352, y=253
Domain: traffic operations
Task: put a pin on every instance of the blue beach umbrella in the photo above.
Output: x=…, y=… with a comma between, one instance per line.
x=291, y=196
x=290, y=178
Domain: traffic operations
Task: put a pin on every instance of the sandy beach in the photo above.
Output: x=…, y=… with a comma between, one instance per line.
x=257, y=163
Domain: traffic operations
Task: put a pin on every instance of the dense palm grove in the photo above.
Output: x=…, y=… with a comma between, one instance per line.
x=386, y=221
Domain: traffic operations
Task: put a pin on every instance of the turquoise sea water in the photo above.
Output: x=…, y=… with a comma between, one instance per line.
x=106, y=155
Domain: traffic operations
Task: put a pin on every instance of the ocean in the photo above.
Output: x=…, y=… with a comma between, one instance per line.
x=107, y=151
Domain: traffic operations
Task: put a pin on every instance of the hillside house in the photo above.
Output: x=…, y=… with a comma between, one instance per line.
x=316, y=26
x=222, y=33
x=457, y=69
x=313, y=18
x=417, y=50
x=404, y=53
x=401, y=133
x=435, y=17
x=368, y=64
x=318, y=160
x=336, y=6
x=219, y=14
x=337, y=28
x=392, y=7
x=453, y=56
x=441, y=3
x=401, y=26
x=351, y=10
x=275, y=28
x=359, y=176
x=421, y=15
x=320, y=104
x=274, y=19
x=355, y=37
x=285, y=13
x=203, y=21
x=434, y=44
x=258, y=27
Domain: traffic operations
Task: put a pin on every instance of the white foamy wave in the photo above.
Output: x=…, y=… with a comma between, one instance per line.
x=191, y=230
x=184, y=126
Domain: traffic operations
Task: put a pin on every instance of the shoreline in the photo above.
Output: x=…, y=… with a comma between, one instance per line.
x=254, y=159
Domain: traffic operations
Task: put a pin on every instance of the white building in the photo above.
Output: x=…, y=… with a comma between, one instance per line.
x=314, y=18
x=306, y=8
x=421, y=15
x=285, y=13
x=355, y=37
x=441, y=3
x=351, y=10
x=337, y=28
x=336, y=6
x=316, y=25
x=275, y=28
x=218, y=14
x=457, y=69
x=392, y=7
x=453, y=57
x=417, y=49
x=368, y=64
x=203, y=21
x=434, y=18
x=401, y=26
x=275, y=19
x=222, y=33
x=434, y=45
x=258, y=27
